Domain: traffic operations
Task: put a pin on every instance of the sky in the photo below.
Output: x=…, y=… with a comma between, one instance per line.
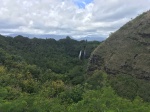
x=75, y=18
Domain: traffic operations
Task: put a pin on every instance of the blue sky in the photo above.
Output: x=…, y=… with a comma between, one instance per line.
x=82, y=3
x=76, y=18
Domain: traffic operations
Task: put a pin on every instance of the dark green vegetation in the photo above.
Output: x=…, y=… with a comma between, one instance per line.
x=38, y=75
x=46, y=70
x=126, y=56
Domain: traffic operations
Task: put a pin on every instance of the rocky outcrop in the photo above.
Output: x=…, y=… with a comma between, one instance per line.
x=127, y=51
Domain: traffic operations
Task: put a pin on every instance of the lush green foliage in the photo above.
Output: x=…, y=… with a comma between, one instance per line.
x=38, y=75
x=41, y=70
x=129, y=87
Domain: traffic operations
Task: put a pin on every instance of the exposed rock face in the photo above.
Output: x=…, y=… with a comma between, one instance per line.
x=127, y=51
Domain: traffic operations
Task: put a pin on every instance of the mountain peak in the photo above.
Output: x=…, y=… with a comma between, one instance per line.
x=127, y=51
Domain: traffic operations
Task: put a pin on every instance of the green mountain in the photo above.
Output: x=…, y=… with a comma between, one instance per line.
x=127, y=50
x=127, y=53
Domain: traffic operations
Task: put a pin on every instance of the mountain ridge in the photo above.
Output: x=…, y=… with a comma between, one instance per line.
x=58, y=37
x=127, y=51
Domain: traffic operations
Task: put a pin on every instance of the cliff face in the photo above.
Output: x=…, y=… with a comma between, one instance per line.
x=127, y=51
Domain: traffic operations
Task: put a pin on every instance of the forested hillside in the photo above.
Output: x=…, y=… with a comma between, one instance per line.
x=125, y=56
x=45, y=75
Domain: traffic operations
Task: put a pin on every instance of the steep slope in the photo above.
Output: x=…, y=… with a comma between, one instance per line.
x=127, y=51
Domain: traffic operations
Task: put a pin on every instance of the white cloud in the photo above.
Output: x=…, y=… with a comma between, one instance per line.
x=64, y=17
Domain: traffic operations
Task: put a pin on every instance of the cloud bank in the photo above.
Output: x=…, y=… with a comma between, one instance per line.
x=77, y=18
